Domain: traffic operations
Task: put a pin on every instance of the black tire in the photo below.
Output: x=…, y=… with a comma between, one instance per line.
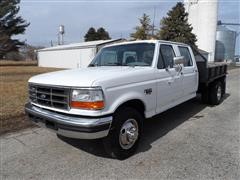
x=216, y=93
x=224, y=86
x=112, y=142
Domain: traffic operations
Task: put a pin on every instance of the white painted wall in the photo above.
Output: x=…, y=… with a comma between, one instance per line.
x=203, y=17
x=69, y=58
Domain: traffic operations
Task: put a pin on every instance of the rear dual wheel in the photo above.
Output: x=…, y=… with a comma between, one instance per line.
x=216, y=93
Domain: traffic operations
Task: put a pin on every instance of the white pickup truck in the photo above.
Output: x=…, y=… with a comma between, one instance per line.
x=124, y=84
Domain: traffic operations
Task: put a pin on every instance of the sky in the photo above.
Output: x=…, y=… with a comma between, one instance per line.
x=118, y=17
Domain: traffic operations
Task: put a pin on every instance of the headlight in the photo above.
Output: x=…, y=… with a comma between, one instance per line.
x=87, y=99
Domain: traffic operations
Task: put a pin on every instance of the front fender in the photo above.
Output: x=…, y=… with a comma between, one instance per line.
x=125, y=98
x=116, y=99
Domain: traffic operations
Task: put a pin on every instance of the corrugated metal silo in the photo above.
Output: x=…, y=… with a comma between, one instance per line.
x=225, y=44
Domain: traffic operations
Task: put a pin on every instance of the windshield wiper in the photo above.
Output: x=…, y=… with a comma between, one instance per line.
x=112, y=64
x=92, y=65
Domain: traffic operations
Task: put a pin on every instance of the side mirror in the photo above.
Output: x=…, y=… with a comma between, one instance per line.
x=179, y=60
x=177, y=63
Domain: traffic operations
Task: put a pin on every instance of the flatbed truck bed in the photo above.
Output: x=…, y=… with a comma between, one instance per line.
x=211, y=76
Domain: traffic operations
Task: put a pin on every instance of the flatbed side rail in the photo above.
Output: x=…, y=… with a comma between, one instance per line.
x=208, y=72
x=216, y=71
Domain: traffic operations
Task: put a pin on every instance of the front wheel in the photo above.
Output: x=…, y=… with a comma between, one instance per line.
x=125, y=133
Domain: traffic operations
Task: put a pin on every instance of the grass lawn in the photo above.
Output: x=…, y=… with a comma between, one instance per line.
x=13, y=95
x=17, y=63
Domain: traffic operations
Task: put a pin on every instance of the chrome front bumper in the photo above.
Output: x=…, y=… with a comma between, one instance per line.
x=72, y=126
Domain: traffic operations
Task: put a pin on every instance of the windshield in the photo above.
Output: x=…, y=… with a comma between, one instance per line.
x=137, y=54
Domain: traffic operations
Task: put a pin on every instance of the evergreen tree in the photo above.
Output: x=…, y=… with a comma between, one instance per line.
x=175, y=27
x=102, y=34
x=10, y=25
x=91, y=35
x=143, y=31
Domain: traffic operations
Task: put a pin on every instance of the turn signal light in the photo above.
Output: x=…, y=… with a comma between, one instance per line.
x=88, y=105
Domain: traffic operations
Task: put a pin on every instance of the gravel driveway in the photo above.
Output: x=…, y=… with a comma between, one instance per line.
x=190, y=141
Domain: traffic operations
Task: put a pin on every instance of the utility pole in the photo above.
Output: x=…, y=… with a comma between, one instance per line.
x=153, y=25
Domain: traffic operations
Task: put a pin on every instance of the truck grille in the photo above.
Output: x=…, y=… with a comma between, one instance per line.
x=55, y=97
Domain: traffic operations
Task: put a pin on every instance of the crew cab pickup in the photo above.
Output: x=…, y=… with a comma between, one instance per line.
x=123, y=85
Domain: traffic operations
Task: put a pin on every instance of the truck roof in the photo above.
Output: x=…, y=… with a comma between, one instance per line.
x=146, y=41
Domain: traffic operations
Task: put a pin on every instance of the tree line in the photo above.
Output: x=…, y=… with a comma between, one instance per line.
x=173, y=27
x=93, y=35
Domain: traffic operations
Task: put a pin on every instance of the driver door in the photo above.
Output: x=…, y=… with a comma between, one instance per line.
x=169, y=81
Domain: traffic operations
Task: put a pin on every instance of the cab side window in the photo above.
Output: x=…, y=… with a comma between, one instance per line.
x=167, y=55
x=184, y=51
x=160, y=64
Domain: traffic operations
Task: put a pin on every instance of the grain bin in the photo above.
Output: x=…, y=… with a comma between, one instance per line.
x=225, y=43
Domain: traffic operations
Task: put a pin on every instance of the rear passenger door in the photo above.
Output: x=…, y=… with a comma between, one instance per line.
x=190, y=74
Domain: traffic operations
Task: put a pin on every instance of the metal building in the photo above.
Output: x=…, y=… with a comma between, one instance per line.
x=75, y=55
x=225, y=44
x=203, y=18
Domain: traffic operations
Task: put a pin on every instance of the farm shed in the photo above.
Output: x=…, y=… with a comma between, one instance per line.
x=75, y=55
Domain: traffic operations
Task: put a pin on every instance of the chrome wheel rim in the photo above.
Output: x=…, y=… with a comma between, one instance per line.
x=219, y=93
x=128, y=134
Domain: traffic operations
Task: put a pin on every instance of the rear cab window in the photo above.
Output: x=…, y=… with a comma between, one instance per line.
x=110, y=57
x=184, y=51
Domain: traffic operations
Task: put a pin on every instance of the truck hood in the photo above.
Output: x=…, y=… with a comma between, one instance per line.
x=84, y=77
